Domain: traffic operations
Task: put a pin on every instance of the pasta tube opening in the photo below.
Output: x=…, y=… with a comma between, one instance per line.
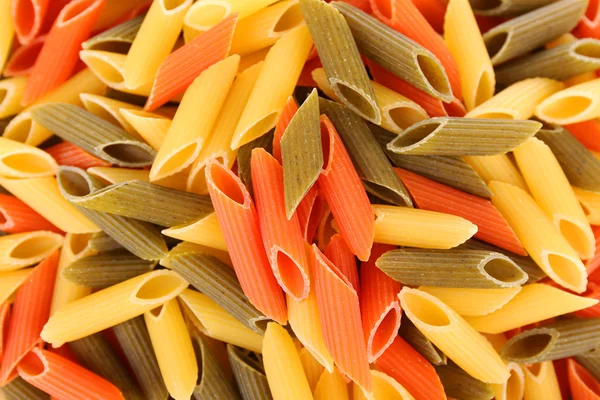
x=158, y=288
x=497, y=43
x=172, y=5
x=103, y=68
x=290, y=273
x=203, y=15
x=581, y=241
x=33, y=247
x=530, y=345
x=28, y=164
x=127, y=152
x=485, y=91
x=20, y=128
x=567, y=271
x=425, y=310
x=565, y=107
x=33, y=364
x=74, y=10
x=384, y=331
x=27, y=20
x=354, y=99
x=587, y=48
x=418, y=135
x=22, y=60
x=515, y=386
x=226, y=183
x=404, y=115
x=78, y=243
x=73, y=183
x=434, y=73
x=291, y=18
x=503, y=271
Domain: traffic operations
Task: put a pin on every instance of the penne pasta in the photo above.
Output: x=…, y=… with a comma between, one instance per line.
x=473, y=302
x=339, y=254
x=18, y=388
x=109, y=110
x=6, y=32
x=413, y=336
x=12, y=91
x=212, y=381
x=496, y=168
x=9, y=283
x=463, y=38
x=19, y=160
x=383, y=386
x=23, y=58
x=245, y=154
x=206, y=231
x=590, y=362
x=249, y=374
x=420, y=228
x=514, y=388
x=460, y=385
x=590, y=203
x=66, y=153
x=516, y=37
x=100, y=242
x=18, y=217
x=535, y=302
x=190, y=129
x=186, y=247
x=151, y=127
x=582, y=383
x=574, y=104
x=312, y=368
x=112, y=306
x=331, y=385
x=117, y=39
x=21, y=250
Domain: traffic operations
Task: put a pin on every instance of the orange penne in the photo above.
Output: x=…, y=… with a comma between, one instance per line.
x=340, y=320
x=238, y=220
x=64, y=379
x=379, y=304
x=589, y=24
x=60, y=53
x=434, y=12
x=17, y=217
x=310, y=211
x=30, y=313
x=5, y=311
x=592, y=292
x=306, y=78
x=339, y=254
x=53, y=10
x=561, y=369
x=288, y=112
x=411, y=370
x=28, y=17
x=583, y=385
x=587, y=132
x=433, y=196
x=66, y=153
x=281, y=236
x=181, y=67
x=403, y=16
x=23, y=59
x=343, y=191
x=362, y=4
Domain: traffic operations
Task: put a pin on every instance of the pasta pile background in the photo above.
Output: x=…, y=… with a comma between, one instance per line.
x=299, y=199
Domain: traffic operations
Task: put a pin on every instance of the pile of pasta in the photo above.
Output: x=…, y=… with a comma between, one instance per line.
x=300, y=199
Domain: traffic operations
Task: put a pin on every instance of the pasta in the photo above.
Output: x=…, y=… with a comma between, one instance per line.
x=413, y=336
x=463, y=136
x=151, y=127
x=18, y=388
x=590, y=203
x=468, y=49
x=458, y=384
x=213, y=384
x=68, y=154
x=23, y=59
x=341, y=59
x=100, y=242
x=245, y=155
x=514, y=38
x=249, y=374
x=206, y=231
x=574, y=104
x=18, y=160
x=582, y=384
x=18, y=217
x=535, y=302
x=11, y=281
x=109, y=110
x=21, y=250
x=117, y=39
x=383, y=385
x=473, y=302
x=12, y=90
x=514, y=388
x=6, y=32
x=496, y=168
x=339, y=254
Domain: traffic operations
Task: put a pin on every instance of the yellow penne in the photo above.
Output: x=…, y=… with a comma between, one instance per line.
x=453, y=336
x=552, y=192
x=111, y=306
x=518, y=101
x=496, y=168
x=43, y=195
x=383, y=387
x=21, y=250
x=10, y=282
x=19, y=160
x=514, y=387
x=473, y=302
x=575, y=104
x=11, y=92
x=404, y=226
x=152, y=128
x=206, y=232
x=331, y=385
x=76, y=246
x=114, y=10
x=585, y=77
x=590, y=203
x=275, y=83
x=312, y=368
x=185, y=247
x=215, y=322
x=542, y=240
x=23, y=129
x=219, y=141
x=173, y=348
x=149, y=48
x=194, y=119
x=110, y=69
x=109, y=110
x=249, y=60
x=204, y=14
x=112, y=175
x=398, y=112
x=7, y=31
x=464, y=41
x=282, y=365
x=305, y=321
x=541, y=382
x=264, y=27
x=534, y=303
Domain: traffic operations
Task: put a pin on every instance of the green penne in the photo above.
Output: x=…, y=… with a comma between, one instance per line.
x=140, y=238
x=409, y=332
x=396, y=53
x=107, y=269
x=520, y=35
x=213, y=384
x=218, y=281
x=560, y=63
x=148, y=202
x=93, y=134
x=561, y=339
x=449, y=136
x=340, y=57
x=18, y=389
x=460, y=385
x=95, y=353
x=117, y=39
x=580, y=166
x=506, y=7
x=135, y=341
x=301, y=153
x=101, y=242
x=533, y=271
x=368, y=158
x=249, y=374
x=245, y=154
x=455, y=268
x=591, y=361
